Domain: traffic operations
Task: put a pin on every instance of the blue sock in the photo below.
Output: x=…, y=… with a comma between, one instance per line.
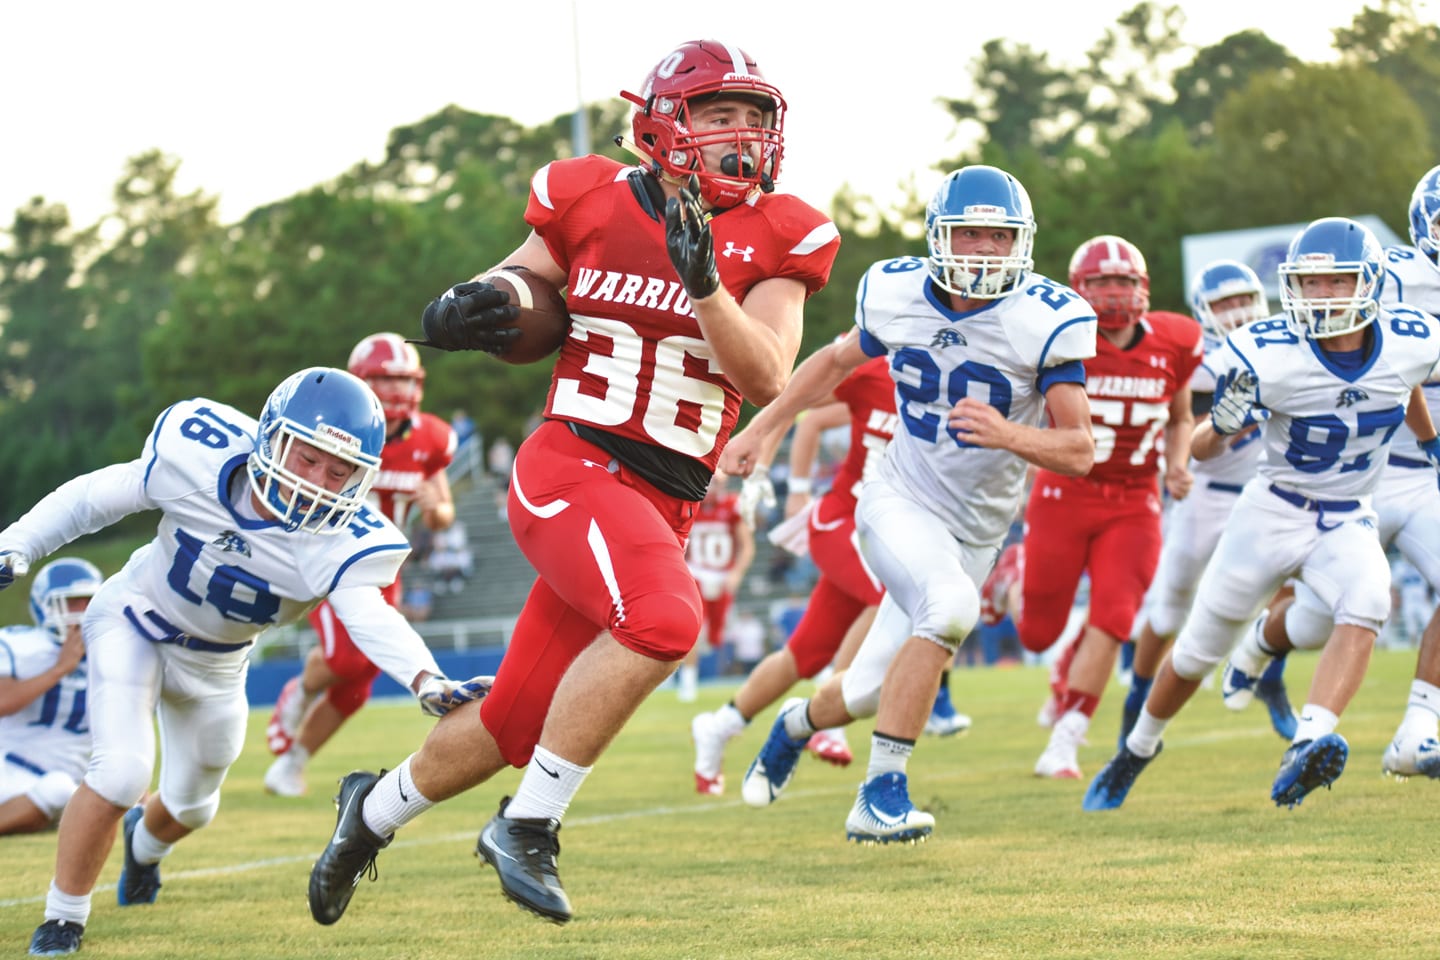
x=1139, y=690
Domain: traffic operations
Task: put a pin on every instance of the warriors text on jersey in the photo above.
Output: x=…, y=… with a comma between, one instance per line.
x=1007, y=353
x=51, y=733
x=635, y=363
x=1130, y=390
x=1329, y=425
x=422, y=449
x=870, y=396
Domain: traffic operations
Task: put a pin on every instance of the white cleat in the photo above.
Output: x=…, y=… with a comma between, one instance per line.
x=1412, y=756
x=285, y=778
x=710, y=739
x=1060, y=761
x=883, y=813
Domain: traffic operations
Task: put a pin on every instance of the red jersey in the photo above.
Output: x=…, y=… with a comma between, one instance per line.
x=423, y=449
x=711, y=547
x=870, y=394
x=1130, y=393
x=635, y=363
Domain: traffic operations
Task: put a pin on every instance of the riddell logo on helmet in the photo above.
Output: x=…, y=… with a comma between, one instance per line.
x=984, y=210
x=1316, y=259
x=337, y=436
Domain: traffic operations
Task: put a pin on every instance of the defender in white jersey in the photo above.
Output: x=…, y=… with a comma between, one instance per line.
x=258, y=522
x=44, y=726
x=1224, y=296
x=1333, y=379
x=1408, y=506
x=979, y=348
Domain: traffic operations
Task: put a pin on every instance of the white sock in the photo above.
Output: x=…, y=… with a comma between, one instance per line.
x=394, y=801
x=146, y=848
x=1422, y=714
x=1315, y=721
x=887, y=755
x=797, y=723
x=1248, y=657
x=549, y=784
x=1144, y=740
x=731, y=721
x=297, y=756
x=72, y=908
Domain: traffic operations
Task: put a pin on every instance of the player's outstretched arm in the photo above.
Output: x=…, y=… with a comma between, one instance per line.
x=812, y=383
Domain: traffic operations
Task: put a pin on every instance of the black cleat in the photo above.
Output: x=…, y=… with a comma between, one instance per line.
x=56, y=938
x=351, y=852
x=523, y=852
x=139, y=882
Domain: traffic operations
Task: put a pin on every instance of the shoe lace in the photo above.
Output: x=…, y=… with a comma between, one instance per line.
x=890, y=794
x=541, y=842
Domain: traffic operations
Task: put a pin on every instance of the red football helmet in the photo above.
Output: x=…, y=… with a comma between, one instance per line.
x=1110, y=256
x=694, y=71
x=382, y=356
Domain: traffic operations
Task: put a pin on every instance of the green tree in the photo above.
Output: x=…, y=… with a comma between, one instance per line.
x=1394, y=42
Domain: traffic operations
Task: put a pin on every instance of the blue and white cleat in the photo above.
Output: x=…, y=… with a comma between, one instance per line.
x=57, y=938
x=770, y=772
x=1236, y=687
x=1112, y=784
x=883, y=813
x=944, y=720
x=139, y=882
x=1307, y=766
x=1270, y=689
x=1408, y=757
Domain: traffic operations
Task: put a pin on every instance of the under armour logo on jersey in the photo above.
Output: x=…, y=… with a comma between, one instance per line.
x=947, y=337
x=732, y=250
x=1159, y=360
x=1351, y=396
x=232, y=542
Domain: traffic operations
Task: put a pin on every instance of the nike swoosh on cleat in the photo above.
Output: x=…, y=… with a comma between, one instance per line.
x=888, y=819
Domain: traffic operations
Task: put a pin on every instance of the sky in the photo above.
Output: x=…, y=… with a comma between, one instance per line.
x=285, y=95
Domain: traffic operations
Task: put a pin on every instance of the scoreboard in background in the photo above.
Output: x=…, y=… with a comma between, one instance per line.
x=1259, y=248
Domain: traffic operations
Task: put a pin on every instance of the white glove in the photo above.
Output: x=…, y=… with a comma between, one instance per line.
x=755, y=491
x=439, y=695
x=12, y=564
x=1234, y=407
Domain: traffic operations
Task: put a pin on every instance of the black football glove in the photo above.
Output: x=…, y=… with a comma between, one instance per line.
x=691, y=247
x=470, y=316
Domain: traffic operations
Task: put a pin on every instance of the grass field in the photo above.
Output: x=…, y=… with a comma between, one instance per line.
x=1198, y=864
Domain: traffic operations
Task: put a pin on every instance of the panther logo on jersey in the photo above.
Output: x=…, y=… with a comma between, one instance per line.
x=948, y=337
x=232, y=542
x=1351, y=396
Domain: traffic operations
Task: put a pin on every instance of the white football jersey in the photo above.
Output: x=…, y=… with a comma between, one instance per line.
x=215, y=571
x=1006, y=353
x=1329, y=429
x=1236, y=464
x=1412, y=279
x=52, y=732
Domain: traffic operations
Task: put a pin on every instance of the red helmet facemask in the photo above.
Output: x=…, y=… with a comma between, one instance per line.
x=392, y=369
x=1110, y=256
x=693, y=73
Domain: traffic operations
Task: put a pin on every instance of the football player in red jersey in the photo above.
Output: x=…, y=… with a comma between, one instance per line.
x=686, y=280
x=1107, y=523
x=847, y=592
x=719, y=551
x=337, y=677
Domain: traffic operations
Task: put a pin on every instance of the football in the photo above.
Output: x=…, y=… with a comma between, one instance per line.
x=544, y=321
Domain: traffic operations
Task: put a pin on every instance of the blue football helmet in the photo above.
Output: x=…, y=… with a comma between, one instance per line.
x=1425, y=216
x=335, y=413
x=57, y=583
x=1220, y=280
x=980, y=196
x=1332, y=245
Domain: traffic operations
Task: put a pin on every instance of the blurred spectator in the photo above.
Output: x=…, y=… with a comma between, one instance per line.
x=502, y=457
x=746, y=635
x=463, y=426
x=418, y=601
x=451, y=560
